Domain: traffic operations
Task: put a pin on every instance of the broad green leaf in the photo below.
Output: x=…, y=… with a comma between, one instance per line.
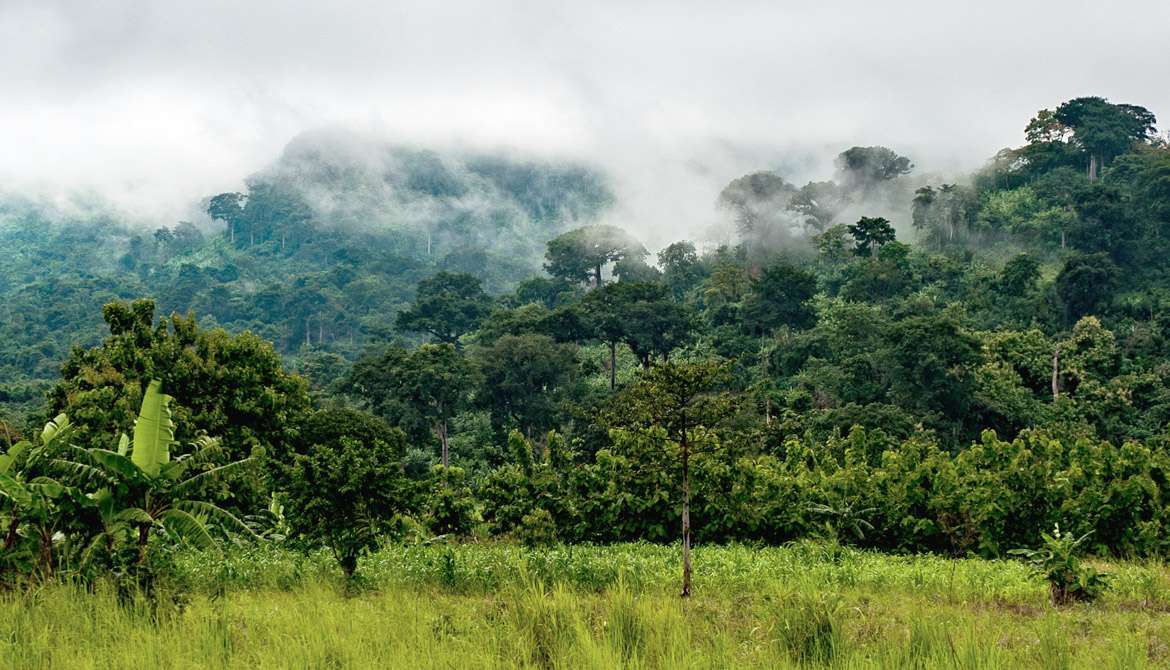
x=134, y=515
x=124, y=445
x=153, y=431
x=55, y=428
x=116, y=463
x=187, y=528
x=218, y=514
x=14, y=452
x=14, y=491
x=215, y=474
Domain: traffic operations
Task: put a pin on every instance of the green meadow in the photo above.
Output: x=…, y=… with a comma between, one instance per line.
x=504, y=606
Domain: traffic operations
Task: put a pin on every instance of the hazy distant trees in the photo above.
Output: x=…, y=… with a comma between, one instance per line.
x=580, y=254
x=865, y=167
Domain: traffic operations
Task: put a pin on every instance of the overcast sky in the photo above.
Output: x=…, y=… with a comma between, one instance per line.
x=155, y=104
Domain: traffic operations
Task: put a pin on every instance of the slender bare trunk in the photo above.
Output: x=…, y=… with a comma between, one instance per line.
x=441, y=431
x=767, y=396
x=321, y=332
x=13, y=525
x=308, y=333
x=612, y=366
x=1055, y=374
x=46, y=553
x=686, y=513
x=143, y=542
x=1094, y=165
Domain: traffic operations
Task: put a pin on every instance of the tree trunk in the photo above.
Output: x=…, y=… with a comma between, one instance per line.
x=321, y=332
x=686, y=514
x=46, y=554
x=597, y=276
x=10, y=538
x=767, y=396
x=1094, y=164
x=1055, y=374
x=308, y=333
x=612, y=366
x=143, y=542
x=441, y=431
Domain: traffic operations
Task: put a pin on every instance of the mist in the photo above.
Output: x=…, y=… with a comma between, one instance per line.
x=152, y=106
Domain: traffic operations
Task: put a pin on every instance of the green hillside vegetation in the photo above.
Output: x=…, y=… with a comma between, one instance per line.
x=393, y=365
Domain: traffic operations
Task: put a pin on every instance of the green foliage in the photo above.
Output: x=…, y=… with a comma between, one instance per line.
x=580, y=254
x=447, y=306
x=870, y=233
x=345, y=489
x=1069, y=578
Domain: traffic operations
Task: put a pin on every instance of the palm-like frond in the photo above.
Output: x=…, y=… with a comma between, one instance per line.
x=154, y=431
x=187, y=528
x=215, y=513
x=214, y=474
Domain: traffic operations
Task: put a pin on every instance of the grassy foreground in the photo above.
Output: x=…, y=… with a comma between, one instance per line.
x=803, y=605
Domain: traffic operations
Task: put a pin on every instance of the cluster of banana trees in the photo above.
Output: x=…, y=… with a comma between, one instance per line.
x=89, y=509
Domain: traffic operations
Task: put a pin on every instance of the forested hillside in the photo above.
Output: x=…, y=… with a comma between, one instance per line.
x=316, y=256
x=487, y=357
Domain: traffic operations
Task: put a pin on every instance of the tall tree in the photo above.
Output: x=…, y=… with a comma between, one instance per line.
x=780, y=296
x=1103, y=129
x=417, y=390
x=679, y=398
x=866, y=167
x=579, y=255
x=522, y=380
x=870, y=233
x=446, y=306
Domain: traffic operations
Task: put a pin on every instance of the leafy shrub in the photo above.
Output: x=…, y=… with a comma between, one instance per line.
x=1069, y=579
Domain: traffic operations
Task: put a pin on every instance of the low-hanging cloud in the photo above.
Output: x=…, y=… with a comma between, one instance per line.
x=155, y=105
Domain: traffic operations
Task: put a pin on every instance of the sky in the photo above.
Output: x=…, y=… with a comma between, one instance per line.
x=156, y=104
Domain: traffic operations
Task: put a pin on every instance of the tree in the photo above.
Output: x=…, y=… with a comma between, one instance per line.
x=230, y=386
x=522, y=379
x=681, y=268
x=1085, y=284
x=754, y=198
x=780, y=296
x=642, y=316
x=941, y=215
x=681, y=399
x=580, y=254
x=146, y=490
x=865, y=167
x=425, y=387
x=869, y=233
x=32, y=498
x=446, y=306
x=1019, y=275
x=819, y=202
x=1102, y=129
x=346, y=487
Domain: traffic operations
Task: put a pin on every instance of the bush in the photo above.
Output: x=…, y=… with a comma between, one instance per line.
x=1069, y=579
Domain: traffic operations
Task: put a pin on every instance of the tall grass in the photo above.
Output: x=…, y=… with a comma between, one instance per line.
x=591, y=607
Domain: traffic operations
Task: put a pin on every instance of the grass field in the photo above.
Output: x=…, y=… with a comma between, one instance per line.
x=488, y=606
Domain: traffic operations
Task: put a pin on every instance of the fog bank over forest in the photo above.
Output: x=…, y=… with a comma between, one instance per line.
x=154, y=106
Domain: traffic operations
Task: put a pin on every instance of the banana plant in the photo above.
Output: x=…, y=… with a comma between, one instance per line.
x=31, y=498
x=145, y=490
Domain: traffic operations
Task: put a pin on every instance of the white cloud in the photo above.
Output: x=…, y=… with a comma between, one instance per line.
x=156, y=104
